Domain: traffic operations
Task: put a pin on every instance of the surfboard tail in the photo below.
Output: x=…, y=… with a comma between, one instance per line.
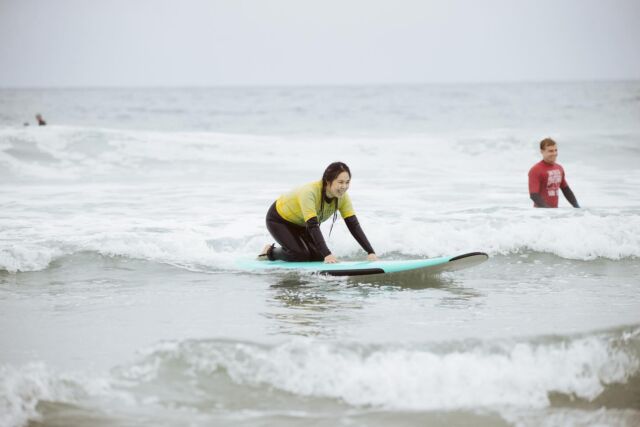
x=432, y=266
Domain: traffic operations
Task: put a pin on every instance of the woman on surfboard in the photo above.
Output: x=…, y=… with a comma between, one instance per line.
x=294, y=219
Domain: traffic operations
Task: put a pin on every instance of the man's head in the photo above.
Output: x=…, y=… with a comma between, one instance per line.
x=549, y=150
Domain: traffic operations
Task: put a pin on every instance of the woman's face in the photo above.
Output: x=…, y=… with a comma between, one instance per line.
x=339, y=186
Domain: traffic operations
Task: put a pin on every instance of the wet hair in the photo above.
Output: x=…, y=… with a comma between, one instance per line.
x=330, y=174
x=546, y=143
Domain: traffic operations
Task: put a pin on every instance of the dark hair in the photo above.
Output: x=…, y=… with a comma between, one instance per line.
x=330, y=174
x=546, y=142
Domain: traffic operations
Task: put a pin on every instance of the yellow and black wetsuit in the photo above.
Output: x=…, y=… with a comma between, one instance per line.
x=294, y=222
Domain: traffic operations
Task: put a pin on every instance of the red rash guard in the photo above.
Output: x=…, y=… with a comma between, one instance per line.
x=547, y=180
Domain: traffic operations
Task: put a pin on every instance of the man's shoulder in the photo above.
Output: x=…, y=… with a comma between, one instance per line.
x=536, y=167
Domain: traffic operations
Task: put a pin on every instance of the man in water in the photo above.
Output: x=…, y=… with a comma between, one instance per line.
x=40, y=120
x=547, y=177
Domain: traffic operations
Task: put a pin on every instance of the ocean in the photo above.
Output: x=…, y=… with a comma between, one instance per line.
x=122, y=222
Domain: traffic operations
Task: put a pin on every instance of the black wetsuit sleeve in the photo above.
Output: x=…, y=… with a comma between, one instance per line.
x=313, y=227
x=537, y=199
x=570, y=196
x=356, y=231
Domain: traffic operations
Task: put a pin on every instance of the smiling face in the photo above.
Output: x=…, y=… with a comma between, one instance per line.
x=550, y=154
x=339, y=186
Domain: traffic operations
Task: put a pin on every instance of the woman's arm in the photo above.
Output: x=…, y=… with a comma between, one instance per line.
x=356, y=231
x=313, y=227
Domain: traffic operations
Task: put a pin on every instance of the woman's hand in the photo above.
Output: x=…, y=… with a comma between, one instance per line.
x=372, y=257
x=330, y=259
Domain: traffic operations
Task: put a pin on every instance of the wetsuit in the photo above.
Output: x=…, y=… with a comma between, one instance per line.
x=294, y=222
x=545, y=181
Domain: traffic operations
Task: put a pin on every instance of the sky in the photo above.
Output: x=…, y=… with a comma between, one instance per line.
x=78, y=43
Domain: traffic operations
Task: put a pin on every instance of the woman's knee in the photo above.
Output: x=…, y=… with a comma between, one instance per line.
x=299, y=255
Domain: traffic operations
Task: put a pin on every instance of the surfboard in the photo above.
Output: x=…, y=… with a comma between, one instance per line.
x=361, y=268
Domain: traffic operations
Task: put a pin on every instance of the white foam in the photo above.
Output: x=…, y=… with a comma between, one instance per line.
x=77, y=153
x=206, y=194
x=579, y=235
x=399, y=378
x=27, y=257
x=22, y=388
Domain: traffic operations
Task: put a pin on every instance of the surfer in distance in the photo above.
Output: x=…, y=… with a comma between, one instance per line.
x=294, y=219
x=547, y=177
x=40, y=120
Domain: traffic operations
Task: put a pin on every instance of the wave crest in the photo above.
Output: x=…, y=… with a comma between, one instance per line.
x=465, y=375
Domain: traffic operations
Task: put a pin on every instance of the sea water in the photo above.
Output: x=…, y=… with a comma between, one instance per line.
x=122, y=221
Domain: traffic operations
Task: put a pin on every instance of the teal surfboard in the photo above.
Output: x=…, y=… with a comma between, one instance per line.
x=361, y=268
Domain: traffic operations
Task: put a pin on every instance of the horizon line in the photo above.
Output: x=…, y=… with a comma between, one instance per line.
x=318, y=85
